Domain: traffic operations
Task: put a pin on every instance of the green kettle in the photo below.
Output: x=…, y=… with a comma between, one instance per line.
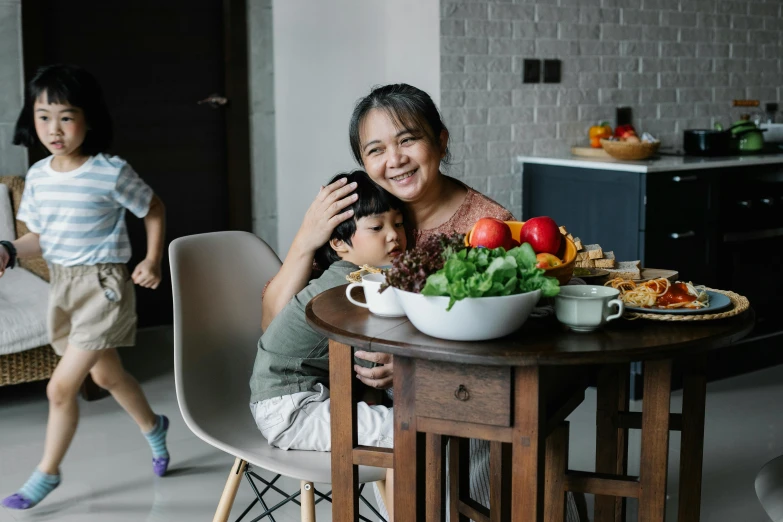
x=746, y=137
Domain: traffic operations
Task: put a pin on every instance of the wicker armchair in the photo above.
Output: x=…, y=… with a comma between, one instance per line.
x=35, y=364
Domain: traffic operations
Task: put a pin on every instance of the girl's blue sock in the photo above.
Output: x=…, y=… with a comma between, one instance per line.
x=157, y=440
x=34, y=490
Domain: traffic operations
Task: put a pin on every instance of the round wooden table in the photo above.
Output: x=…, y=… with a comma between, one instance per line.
x=516, y=391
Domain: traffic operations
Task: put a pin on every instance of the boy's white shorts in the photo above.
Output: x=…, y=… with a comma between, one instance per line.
x=302, y=421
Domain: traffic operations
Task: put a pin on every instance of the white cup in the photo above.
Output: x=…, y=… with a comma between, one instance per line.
x=384, y=304
x=584, y=308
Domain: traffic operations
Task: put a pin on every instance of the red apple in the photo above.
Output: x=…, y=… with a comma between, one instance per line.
x=542, y=233
x=545, y=261
x=490, y=233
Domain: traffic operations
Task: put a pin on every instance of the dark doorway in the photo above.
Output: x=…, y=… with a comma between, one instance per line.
x=155, y=60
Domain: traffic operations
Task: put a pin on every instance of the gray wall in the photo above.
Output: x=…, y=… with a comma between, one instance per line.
x=262, y=119
x=677, y=63
x=13, y=160
x=328, y=54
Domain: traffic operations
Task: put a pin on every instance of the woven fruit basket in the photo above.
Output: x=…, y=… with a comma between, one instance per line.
x=624, y=150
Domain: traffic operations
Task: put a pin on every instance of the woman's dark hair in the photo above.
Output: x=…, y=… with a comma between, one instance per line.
x=408, y=107
x=372, y=200
x=67, y=84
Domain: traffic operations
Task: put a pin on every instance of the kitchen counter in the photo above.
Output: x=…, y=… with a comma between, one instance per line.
x=663, y=163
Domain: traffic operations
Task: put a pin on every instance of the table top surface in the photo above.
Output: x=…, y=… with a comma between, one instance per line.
x=538, y=342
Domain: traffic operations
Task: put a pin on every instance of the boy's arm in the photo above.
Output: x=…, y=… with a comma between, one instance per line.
x=26, y=246
x=147, y=273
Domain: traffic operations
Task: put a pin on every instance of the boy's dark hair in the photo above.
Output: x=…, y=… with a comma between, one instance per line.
x=372, y=200
x=67, y=84
x=408, y=107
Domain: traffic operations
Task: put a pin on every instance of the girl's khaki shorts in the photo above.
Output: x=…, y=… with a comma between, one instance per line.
x=91, y=307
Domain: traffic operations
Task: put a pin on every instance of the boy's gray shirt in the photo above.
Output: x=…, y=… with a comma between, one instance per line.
x=292, y=357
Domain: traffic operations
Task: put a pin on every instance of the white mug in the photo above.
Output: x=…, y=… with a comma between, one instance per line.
x=384, y=304
x=584, y=308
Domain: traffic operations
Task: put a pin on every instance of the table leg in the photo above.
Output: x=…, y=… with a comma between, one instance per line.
x=556, y=466
x=611, y=452
x=345, y=476
x=459, y=476
x=694, y=395
x=655, y=440
x=436, y=474
x=528, y=446
x=409, y=446
x=499, y=481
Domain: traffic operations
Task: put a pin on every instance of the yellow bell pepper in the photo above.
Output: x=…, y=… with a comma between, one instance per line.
x=597, y=132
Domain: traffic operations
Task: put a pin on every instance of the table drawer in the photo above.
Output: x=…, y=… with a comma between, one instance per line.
x=465, y=393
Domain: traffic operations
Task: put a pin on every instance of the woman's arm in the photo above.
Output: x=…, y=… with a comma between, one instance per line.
x=320, y=219
x=380, y=377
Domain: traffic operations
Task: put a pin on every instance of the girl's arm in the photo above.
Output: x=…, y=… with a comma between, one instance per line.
x=320, y=219
x=147, y=273
x=26, y=246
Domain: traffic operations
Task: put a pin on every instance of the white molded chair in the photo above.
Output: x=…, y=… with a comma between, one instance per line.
x=769, y=488
x=217, y=281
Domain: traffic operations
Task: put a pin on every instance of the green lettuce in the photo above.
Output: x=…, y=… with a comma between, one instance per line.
x=481, y=272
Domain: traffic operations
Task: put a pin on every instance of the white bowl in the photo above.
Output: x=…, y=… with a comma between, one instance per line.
x=471, y=319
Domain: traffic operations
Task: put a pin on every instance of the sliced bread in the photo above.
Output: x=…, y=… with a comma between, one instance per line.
x=587, y=263
x=594, y=251
x=626, y=270
x=578, y=243
x=608, y=261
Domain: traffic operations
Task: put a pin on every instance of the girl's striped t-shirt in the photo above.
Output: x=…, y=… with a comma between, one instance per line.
x=80, y=214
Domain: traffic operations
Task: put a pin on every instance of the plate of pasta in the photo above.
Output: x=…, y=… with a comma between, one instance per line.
x=666, y=297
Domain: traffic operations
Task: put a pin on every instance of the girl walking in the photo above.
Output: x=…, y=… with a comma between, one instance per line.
x=74, y=204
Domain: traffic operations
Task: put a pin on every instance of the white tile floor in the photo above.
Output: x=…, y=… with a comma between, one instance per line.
x=107, y=472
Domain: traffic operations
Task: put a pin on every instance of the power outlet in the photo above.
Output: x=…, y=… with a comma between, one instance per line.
x=531, y=71
x=551, y=71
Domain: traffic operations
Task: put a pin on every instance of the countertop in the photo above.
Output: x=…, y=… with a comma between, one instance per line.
x=662, y=163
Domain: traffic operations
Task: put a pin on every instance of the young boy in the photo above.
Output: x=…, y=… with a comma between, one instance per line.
x=289, y=387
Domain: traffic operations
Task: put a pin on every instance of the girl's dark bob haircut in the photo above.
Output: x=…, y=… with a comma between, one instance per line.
x=372, y=200
x=67, y=85
x=408, y=107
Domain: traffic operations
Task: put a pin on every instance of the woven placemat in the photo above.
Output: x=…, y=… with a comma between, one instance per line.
x=739, y=303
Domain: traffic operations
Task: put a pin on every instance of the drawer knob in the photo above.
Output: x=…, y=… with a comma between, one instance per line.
x=462, y=393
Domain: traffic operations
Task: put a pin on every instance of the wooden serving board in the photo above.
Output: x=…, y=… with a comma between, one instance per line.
x=590, y=152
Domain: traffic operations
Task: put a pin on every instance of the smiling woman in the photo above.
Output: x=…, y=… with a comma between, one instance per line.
x=398, y=137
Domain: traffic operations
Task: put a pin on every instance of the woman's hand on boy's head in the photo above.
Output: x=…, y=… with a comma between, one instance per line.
x=147, y=274
x=325, y=213
x=380, y=377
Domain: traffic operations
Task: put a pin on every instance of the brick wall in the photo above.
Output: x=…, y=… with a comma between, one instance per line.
x=677, y=63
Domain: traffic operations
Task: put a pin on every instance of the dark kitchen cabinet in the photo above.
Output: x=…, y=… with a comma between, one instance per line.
x=721, y=227
x=680, y=224
x=599, y=206
x=666, y=220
